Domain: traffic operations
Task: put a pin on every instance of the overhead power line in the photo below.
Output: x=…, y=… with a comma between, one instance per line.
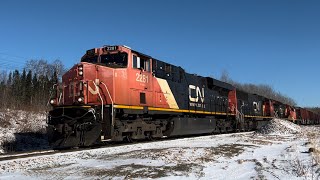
x=11, y=55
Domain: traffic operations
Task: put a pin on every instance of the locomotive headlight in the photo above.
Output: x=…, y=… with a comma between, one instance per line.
x=53, y=102
x=80, y=70
x=80, y=99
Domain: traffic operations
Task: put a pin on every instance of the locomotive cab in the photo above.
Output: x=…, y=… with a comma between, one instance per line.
x=81, y=98
x=104, y=77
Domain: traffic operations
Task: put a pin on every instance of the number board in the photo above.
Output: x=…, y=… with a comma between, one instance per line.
x=111, y=48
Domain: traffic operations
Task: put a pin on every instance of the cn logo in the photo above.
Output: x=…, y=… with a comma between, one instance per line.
x=195, y=93
x=256, y=106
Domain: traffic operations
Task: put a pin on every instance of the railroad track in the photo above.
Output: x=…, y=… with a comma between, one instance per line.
x=18, y=155
x=35, y=153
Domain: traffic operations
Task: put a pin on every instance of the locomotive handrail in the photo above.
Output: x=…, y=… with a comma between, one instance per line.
x=110, y=99
x=50, y=95
x=276, y=114
x=51, y=92
x=112, y=118
x=240, y=115
x=61, y=93
x=60, y=96
x=100, y=98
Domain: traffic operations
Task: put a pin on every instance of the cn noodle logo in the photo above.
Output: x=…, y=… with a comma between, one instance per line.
x=195, y=93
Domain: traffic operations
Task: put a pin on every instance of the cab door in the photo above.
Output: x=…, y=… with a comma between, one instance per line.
x=140, y=82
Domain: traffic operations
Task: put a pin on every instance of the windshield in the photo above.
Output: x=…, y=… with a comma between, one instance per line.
x=90, y=59
x=115, y=60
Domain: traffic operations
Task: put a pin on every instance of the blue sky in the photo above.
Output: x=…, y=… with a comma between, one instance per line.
x=263, y=42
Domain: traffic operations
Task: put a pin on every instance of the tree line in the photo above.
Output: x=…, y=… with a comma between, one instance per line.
x=261, y=89
x=29, y=88
x=264, y=90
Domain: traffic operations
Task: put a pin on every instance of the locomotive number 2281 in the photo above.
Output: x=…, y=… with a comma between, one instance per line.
x=141, y=78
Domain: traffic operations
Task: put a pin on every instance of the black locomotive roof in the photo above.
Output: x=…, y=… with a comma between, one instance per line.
x=141, y=54
x=220, y=84
x=210, y=80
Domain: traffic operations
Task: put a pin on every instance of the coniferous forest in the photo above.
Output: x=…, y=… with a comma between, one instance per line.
x=29, y=88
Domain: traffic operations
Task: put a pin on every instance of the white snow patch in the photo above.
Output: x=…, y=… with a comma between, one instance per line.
x=280, y=126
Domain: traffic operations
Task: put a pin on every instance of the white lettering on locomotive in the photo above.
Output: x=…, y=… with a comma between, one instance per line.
x=256, y=106
x=199, y=93
x=142, y=78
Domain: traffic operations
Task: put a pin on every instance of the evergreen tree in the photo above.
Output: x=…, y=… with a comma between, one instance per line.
x=9, y=92
x=9, y=79
x=16, y=86
x=22, y=89
x=35, y=90
x=28, y=88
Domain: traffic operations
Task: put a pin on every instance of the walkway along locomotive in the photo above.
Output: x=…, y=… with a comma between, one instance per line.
x=116, y=94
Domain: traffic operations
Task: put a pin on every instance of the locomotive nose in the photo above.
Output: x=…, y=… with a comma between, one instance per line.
x=74, y=84
x=58, y=137
x=70, y=127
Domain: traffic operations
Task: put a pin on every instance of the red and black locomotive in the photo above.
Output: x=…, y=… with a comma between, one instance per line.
x=116, y=94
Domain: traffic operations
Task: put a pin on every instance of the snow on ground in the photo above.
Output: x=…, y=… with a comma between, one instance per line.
x=267, y=155
x=278, y=126
x=22, y=130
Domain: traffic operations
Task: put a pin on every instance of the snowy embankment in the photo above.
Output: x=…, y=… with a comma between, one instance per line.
x=279, y=151
x=279, y=126
x=22, y=130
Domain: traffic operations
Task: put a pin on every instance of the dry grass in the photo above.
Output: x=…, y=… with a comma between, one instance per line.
x=313, y=135
x=300, y=168
x=138, y=171
x=314, y=139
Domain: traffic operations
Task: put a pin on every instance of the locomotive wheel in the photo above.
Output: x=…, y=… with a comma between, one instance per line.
x=129, y=139
x=149, y=136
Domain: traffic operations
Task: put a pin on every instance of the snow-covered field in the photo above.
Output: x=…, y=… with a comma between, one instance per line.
x=22, y=130
x=280, y=151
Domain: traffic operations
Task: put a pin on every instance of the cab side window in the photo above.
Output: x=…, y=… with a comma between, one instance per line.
x=141, y=63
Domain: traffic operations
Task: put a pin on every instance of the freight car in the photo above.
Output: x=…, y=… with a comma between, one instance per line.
x=116, y=93
x=307, y=117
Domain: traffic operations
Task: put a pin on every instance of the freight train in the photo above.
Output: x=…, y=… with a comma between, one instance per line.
x=118, y=94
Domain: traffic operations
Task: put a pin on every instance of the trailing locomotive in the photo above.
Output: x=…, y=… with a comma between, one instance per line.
x=116, y=93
